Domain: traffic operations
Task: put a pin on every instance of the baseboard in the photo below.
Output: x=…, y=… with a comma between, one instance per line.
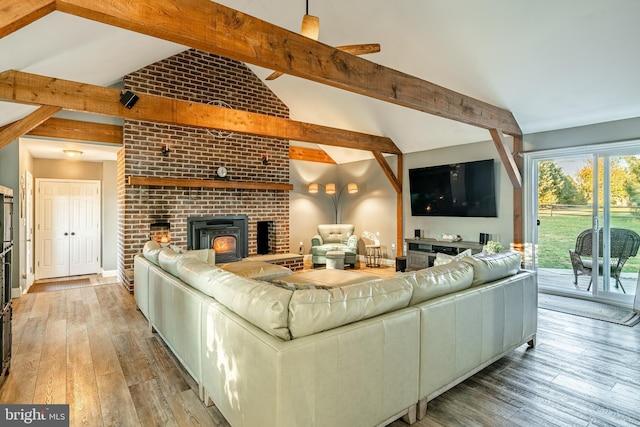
x=109, y=273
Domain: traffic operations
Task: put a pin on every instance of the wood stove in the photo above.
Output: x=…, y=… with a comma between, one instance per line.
x=227, y=235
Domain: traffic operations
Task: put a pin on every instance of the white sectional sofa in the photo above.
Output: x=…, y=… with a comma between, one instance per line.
x=362, y=354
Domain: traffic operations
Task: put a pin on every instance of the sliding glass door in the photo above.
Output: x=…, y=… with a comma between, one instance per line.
x=584, y=207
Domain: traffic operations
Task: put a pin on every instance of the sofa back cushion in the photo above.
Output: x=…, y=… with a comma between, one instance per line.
x=264, y=305
x=168, y=260
x=170, y=257
x=315, y=310
x=151, y=250
x=487, y=268
x=335, y=233
x=433, y=282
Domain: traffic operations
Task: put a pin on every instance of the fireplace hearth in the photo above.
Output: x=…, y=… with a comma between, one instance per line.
x=227, y=235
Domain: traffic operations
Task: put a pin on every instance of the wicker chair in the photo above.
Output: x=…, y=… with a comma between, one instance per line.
x=624, y=245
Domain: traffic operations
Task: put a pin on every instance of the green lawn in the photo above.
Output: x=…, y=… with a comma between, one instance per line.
x=557, y=234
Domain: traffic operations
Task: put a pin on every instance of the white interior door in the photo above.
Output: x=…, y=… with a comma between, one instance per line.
x=84, y=228
x=68, y=228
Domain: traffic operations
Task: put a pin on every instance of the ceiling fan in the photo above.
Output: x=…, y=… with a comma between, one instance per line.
x=311, y=29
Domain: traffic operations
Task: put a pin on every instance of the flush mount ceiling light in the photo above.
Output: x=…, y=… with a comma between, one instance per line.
x=72, y=153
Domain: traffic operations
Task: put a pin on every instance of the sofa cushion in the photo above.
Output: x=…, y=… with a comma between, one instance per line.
x=168, y=259
x=436, y=281
x=260, y=303
x=315, y=310
x=487, y=268
x=151, y=250
x=258, y=270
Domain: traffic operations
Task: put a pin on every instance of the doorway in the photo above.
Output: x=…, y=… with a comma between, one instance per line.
x=584, y=208
x=67, y=228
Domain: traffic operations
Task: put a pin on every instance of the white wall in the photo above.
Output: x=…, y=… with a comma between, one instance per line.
x=373, y=208
x=620, y=130
x=307, y=210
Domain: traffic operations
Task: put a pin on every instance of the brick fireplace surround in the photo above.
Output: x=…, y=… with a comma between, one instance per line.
x=196, y=153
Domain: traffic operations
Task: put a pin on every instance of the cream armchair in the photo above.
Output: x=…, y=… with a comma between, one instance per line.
x=334, y=237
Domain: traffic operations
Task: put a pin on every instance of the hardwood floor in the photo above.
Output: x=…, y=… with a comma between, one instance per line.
x=89, y=347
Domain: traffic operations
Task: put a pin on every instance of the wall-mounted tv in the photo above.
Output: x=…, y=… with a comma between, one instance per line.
x=460, y=189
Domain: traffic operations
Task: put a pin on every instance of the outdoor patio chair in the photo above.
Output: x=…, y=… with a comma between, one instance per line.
x=624, y=245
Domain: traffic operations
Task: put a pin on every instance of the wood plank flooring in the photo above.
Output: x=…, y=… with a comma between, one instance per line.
x=91, y=348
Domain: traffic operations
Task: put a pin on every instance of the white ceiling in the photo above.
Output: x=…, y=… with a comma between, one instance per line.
x=553, y=63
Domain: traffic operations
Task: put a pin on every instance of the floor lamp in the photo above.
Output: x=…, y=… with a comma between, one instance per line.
x=330, y=189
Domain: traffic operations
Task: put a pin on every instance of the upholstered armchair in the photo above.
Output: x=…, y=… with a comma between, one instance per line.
x=334, y=237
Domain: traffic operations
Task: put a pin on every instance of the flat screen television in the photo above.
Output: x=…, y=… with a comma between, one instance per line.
x=460, y=189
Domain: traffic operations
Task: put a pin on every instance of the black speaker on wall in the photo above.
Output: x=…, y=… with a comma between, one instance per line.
x=417, y=233
x=128, y=99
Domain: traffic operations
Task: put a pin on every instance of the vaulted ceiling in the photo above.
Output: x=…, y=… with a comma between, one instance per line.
x=553, y=64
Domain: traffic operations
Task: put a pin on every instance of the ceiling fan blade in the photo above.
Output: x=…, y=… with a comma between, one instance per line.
x=360, y=49
x=274, y=75
x=310, y=27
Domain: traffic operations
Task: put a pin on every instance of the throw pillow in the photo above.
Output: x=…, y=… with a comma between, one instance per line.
x=442, y=259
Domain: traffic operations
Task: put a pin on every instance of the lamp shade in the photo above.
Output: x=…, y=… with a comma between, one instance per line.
x=310, y=26
x=352, y=187
x=330, y=188
x=313, y=187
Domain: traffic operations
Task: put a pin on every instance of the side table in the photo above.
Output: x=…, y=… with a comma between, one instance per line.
x=374, y=255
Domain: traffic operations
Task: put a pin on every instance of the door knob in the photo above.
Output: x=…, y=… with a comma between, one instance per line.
x=73, y=234
x=66, y=234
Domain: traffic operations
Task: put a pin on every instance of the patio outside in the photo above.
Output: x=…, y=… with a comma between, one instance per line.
x=557, y=233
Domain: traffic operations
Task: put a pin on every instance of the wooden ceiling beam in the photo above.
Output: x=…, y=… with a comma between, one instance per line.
x=77, y=130
x=397, y=185
x=22, y=126
x=506, y=157
x=309, y=155
x=218, y=29
x=15, y=14
x=16, y=86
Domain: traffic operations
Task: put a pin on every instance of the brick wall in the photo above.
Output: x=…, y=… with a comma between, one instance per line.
x=196, y=153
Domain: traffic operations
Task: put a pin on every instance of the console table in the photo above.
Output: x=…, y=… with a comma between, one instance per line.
x=422, y=252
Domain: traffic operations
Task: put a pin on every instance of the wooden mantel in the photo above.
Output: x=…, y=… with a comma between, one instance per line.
x=206, y=183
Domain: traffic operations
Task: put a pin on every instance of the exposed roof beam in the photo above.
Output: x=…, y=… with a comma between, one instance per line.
x=77, y=130
x=215, y=28
x=506, y=157
x=19, y=128
x=15, y=14
x=16, y=86
x=397, y=185
x=309, y=155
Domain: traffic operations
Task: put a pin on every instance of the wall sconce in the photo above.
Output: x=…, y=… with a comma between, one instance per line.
x=265, y=159
x=72, y=153
x=128, y=99
x=165, y=150
x=330, y=189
